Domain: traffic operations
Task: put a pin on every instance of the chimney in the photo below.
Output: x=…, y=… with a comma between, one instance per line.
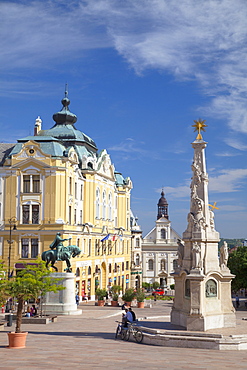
x=37, y=126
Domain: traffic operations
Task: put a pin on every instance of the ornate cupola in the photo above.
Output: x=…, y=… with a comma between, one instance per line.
x=162, y=207
x=65, y=117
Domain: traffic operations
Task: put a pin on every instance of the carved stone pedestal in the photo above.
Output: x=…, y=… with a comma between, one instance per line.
x=203, y=302
x=63, y=302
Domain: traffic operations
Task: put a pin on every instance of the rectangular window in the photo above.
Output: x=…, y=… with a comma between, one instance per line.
x=70, y=215
x=81, y=195
x=80, y=217
x=25, y=214
x=137, y=242
x=127, y=265
x=31, y=183
x=75, y=217
x=35, y=214
x=89, y=247
x=36, y=184
x=34, y=248
x=70, y=185
x=24, y=248
x=26, y=184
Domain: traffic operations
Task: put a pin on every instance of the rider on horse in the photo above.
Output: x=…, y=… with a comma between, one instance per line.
x=57, y=244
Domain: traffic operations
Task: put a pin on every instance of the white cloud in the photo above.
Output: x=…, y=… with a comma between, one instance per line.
x=182, y=191
x=235, y=143
x=232, y=208
x=227, y=154
x=228, y=180
x=201, y=40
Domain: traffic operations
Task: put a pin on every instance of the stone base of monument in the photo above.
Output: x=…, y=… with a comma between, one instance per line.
x=62, y=302
x=185, y=339
x=202, y=323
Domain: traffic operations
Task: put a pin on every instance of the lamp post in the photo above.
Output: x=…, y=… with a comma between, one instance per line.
x=12, y=226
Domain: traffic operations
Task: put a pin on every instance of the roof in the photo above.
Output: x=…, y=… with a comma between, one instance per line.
x=5, y=149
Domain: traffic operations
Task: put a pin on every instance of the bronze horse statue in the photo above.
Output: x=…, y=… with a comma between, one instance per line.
x=65, y=254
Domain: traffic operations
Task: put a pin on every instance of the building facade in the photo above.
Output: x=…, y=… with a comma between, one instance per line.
x=136, y=254
x=159, y=249
x=58, y=181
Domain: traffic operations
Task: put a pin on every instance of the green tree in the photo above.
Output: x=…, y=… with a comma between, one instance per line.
x=32, y=281
x=237, y=264
x=156, y=285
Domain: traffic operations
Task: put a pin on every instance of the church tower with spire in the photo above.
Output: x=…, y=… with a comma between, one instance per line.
x=162, y=207
x=202, y=281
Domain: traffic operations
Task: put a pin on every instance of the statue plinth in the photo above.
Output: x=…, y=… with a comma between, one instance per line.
x=63, y=302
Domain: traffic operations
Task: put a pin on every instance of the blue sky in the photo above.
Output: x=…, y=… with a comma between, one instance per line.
x=139, y=73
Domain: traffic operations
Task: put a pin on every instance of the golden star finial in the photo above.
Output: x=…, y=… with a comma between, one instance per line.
x=199, y=126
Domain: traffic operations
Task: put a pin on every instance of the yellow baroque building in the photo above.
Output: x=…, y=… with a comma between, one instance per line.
x=57, y=181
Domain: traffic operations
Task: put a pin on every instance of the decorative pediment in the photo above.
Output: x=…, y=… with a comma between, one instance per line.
x=105, y=166
x=73, y=157
x=30, y=149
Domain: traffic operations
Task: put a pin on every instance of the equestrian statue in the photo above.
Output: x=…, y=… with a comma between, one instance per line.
x=59, y=252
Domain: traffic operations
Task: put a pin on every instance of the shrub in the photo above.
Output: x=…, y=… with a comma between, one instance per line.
x=129, y=295
x=140, y=295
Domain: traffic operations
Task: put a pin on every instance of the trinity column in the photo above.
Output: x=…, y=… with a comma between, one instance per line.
x=202, y=281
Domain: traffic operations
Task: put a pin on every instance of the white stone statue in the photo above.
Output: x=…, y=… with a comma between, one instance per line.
x=180, y=252
x=211, y=220
x=196, y=256
x=224, y=254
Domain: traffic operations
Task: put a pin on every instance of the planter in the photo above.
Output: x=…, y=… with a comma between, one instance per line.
x=114, y=303
x=101, y=303
x=17, y=340
x=140, y=304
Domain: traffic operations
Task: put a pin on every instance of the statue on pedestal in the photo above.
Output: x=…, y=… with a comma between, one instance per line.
x=180, y=253
x=224, y=254
x=196, y=256
x=59, y=252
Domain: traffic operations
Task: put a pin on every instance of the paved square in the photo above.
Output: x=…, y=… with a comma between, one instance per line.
x=87, y=342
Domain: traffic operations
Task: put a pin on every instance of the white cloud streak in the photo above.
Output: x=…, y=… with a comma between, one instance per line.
x=227, y=181
x=201, y=40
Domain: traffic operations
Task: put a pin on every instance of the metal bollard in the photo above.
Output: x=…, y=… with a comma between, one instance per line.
x=10, y=319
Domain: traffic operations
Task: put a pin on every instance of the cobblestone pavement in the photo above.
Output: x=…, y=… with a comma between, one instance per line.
x=87, y=342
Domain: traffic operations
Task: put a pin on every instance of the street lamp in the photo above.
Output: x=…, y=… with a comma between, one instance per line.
x=12, y=226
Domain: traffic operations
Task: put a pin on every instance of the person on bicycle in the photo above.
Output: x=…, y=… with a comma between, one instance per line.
x=127, y=317
x=133, y=313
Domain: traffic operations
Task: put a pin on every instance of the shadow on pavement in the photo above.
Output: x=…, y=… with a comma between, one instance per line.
x=76, y=334
x=164, y=325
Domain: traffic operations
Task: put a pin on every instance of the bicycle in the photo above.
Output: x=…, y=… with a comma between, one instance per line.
x=125, y=332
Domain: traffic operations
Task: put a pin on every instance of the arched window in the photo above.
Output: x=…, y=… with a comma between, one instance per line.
x=89, y=270
x=104, y=206
x=77, y=273
x=163, y=264
x=137, y=260
x=97, y=203
x=110, y=207
x=150, y=264
x=109, y=267
x=163, y=233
